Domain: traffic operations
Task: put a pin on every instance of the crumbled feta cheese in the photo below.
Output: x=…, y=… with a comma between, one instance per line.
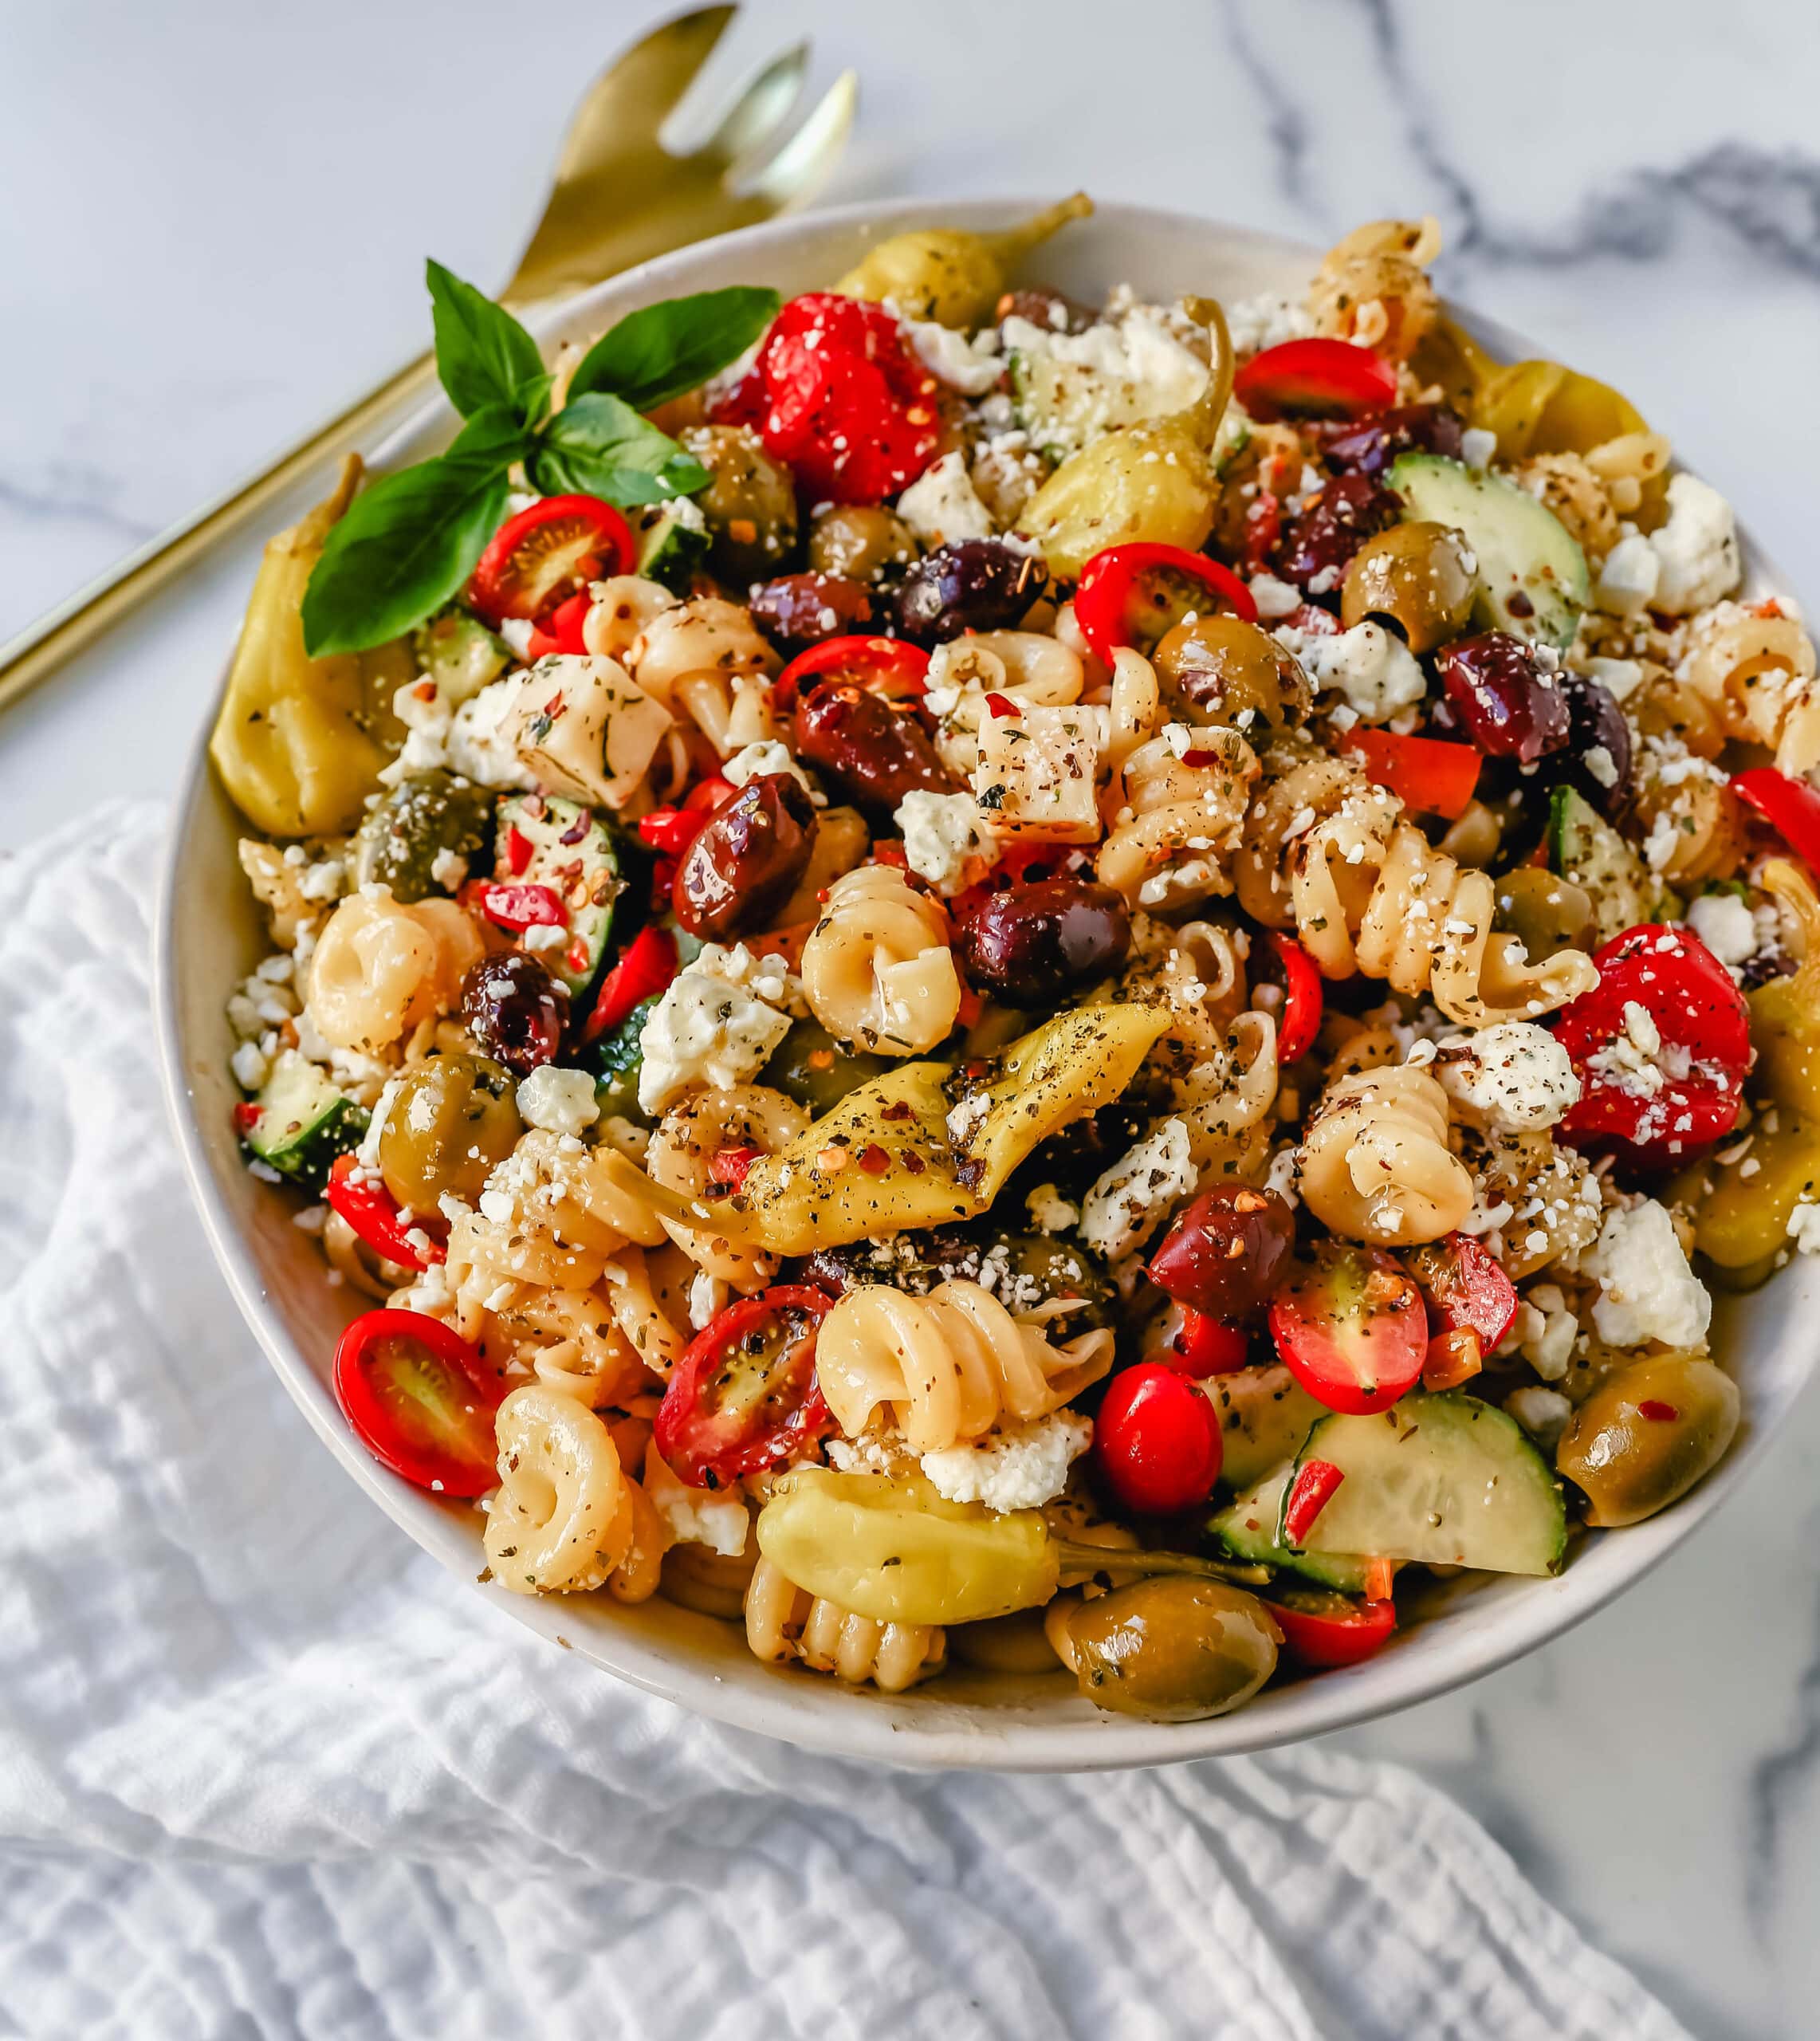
x=561, y=1100
x=1628, y=579
x=1726, y=925
x=964, y=1120
x=942, y=834
x=1543, y=1331
x=1073, y=387
x=324, y=880
x=707, y=1029
x=870, y=1454
x=708, y=1298
x=1267, y=320
x=426, y=713
x=1371, y=667
x=481, y=745
x=719, y=1520
x=1602, y=766
x=1636, y=1060
x=1477, y=446
x=1273, y=598
x=1620, y=679
x=1021, y=1468
x=1544, y=1413
x=1128, y=1202
x=970, y=366
x=448, y=868
x=1804, y=1228
x=942, y=506
x=1050, y=1212
x=545, y=935
x=1696, y=549
x=249, y=1067
x=754, y=761
x=1512, y=1078
x=1646, y=1289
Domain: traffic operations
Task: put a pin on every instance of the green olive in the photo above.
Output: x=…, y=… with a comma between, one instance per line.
x=1061, y=1271
x=862, y=541
x=1646, y=1435
x=1419, y=576
x=401, y=840
x=1545, y=913
x=1012, y=1644
x=451, y=1120
x=811, y=1067
x=1233, y=673
x=1173, y=1648
x=750, y=505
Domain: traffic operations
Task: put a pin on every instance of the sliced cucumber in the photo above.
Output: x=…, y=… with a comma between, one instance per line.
x=1069, y=388
x=304, y=1121
x=1532, y=576
x=1247, y=1530
x=1265, y=1415
x=574, y=854
x=1583, y=847
x=616, y=1061
x=460, y=654
x=1444, y=1480
x=673, y=543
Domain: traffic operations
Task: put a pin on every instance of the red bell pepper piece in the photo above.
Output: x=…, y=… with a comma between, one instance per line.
x=362, y=1199
x=1315, y=1484
x=564, y=635
x=517, y=904
x=1302, y=999
x=1789, y=806
x=1422, y=771
x=647, y=967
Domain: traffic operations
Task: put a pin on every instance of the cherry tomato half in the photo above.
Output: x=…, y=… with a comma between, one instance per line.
x=1322, y=1630
x=892, y=665
x=1302, y=999
x=1789, y=806
x=1132, y=595
x=1158, y=1441
x=1422, y=771
x=1314, y=379
x=1466, y=1288
x=536, y=558
x=744, y=1396
x=1352, y=1329
x=1690, y=1044
x=357, y=1194
x=645, y=970
x=420, y=1399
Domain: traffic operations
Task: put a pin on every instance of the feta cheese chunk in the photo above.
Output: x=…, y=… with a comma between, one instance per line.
x=1050, y=1212
x=942, y=506
x=1544, y=1413
x=1477, y=446
x=483, y=737
x=1021, y=1468
x=1696, y=550
x=562, y=1100
x=1273, y=598
x=1628, y=579
x=708, y=1030
x=1512, y=1078
x=1128, y=1202
x=942, y=834
x=1038, y=770
x=973, y=367
x=1267, y=320
x=1371, y=667
x=755, y=761
x=1543, y=1331
x=1726, y=925
x=696, y=1516
x=1646, y=1289
x=1804, y=1228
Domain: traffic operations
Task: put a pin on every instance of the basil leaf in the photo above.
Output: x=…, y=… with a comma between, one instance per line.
x=483, y=354
x=492, y=438
x=402, y=549
x=599, y=445
x=656, y=354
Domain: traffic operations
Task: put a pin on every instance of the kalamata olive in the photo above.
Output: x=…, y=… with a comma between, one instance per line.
x=451, y=1119
x=878, y=752
x=1172, y=1648
x=863, y=541
x=797, y=610
x=1646, y=1435
x=976, y=584
x=1419, y=577
x=1596, y=759
x=515, y=1010
x=750, y=505
x=1228, y=1253
x=1544, y=912
x=1318, y=546
x=1059, y=934
x=744, y=862
x=1507, y=703
x=1234, y=673
x=408, y=831
x=1369, y=447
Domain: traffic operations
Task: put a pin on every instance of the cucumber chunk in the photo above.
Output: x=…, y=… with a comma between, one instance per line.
x=1445, y=1480
x=1265, y=1415
x=1583, y=847
x=460, y=654
x=1532, y=576
x=304, y=1121
x=673, y=543
x=1247, y=1528
x=616, y=1058
x=574, y=854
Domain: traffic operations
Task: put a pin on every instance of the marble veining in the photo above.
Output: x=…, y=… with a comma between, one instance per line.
x=235, y=249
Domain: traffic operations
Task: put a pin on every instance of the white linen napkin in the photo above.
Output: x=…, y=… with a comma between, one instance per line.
x=268, y=1770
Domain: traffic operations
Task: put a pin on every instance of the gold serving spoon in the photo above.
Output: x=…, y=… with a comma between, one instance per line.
x=619, y=198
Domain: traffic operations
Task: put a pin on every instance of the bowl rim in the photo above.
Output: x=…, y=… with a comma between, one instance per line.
x=945, y=1735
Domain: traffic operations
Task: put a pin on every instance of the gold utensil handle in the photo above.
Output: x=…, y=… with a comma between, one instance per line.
x=45, y=645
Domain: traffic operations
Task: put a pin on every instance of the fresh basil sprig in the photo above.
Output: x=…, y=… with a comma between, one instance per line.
x=407, y=544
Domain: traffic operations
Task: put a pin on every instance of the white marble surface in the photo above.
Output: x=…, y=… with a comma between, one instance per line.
x=214, y=230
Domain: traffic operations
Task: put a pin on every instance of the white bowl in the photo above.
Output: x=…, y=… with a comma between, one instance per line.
x=211, y=936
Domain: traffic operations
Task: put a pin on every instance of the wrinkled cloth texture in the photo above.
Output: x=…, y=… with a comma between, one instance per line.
x=268, y=1770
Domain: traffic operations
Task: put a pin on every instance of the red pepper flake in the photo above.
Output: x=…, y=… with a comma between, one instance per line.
x=575, y=956
x=898, y=1108
x=246, y=1115
x=913, y=1162
x=518, y=849
x=1200, y=758
x=1657, y=1413
x=873, y=1160
x=1002, y=704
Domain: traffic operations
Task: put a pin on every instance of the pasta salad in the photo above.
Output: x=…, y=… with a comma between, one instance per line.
x=966, y=977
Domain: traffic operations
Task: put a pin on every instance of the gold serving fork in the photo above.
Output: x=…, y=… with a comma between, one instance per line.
x=619, y=198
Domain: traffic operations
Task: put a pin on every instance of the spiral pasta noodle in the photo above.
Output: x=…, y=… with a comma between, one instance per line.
x=1373, y=288
x=876, y=970
x=1554, y=1207
x=1183, y=813
x=681, y=1150
x=1375, y=1163
x=1297, y=788
x=1755, y=668
x=566, y=1517
x=1230, y=1095
x=944, y=1367
x=784, y=1622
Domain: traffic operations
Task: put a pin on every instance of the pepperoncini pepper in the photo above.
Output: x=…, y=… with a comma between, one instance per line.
x=949, y=275
x=1741, y=1208
x=1785, y=1013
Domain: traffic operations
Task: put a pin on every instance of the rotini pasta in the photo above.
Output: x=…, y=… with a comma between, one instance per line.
x=1375, y=1164
x=1755, y=668
x=1184, y=806
x=566, y=1517
x=749, y=1116
x=1373, y=288
x=876, y=970
x=784, y=1622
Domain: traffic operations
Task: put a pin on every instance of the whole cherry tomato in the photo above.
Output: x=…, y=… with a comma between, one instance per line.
x=744, y=1396
x=1158, y=1441
x=420, y=1399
